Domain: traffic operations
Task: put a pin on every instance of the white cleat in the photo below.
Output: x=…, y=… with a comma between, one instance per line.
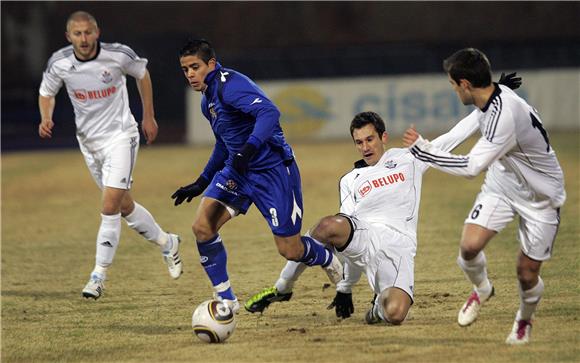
x=94, y=288
x=470, y=310
x=520, y=333
x=234, y=305
x=171, y=257
x=334, y=270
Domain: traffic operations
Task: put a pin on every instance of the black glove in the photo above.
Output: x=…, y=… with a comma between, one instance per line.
x=243, y=157
x=511, y=80
x=190, y=191
x=342, y=305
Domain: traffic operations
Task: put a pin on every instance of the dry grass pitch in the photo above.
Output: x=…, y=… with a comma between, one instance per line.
x=50, y=215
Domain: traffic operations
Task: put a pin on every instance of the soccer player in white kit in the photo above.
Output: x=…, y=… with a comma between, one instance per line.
x=523, y=177
x=94, y=74
x=376, y=229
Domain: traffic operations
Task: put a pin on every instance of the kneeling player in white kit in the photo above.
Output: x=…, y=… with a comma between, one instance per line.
x=95, y=77
x=523, y=177
x=376, y=229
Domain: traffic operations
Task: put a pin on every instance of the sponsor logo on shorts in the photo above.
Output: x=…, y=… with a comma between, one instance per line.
x=226, y=189
x=365, y=189
x=203, y=259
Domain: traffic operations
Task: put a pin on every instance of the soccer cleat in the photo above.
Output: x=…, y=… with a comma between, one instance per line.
x=234, y=305
x=259, y=302
x=171, y=257
x=334, y=270
x=470, y=310
x=372, y=316
x=520, y=333
x=94, y=288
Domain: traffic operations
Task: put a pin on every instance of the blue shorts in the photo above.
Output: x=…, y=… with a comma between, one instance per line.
x=276, y=192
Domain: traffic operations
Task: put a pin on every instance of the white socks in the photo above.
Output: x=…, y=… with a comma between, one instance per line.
x=529, y=300
x=143, y=222
x=108, y=240
x=475, y=270
x=289, y=275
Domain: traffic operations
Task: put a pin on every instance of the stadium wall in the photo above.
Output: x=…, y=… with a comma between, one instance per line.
x=322, y=109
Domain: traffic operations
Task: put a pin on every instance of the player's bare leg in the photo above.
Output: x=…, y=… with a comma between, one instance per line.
x=211, y=216
x=530, y=289
x=474, y=265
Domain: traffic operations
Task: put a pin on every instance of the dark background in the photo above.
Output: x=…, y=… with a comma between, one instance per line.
x=274, y=40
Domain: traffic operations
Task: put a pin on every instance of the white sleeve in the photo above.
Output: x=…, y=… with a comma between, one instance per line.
x=130, y=62
x=51, y=81
x=350, y=276
x=479, y=158
x=346, y=196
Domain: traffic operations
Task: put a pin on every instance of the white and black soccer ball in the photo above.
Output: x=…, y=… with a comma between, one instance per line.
x=213, y=321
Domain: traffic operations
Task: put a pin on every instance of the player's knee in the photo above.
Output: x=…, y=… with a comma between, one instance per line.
x=326, y=229
x=395, y=312
x=289, y=252
x=527, y=277
x=202, y=231
x=469, y=249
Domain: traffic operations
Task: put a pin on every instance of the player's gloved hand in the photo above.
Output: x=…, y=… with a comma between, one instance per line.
x=242, y=158
x=342, y=305
x=190, y=191
x=511, y=80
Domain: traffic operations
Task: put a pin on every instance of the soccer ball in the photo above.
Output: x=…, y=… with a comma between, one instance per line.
x=213, y=321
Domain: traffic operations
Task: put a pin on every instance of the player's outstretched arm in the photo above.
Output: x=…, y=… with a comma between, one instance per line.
x=46, y=107
x=149, y=124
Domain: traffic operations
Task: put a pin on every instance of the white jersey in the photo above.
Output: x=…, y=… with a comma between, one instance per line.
x=514, y=147
x=389, y=192
x=97, y=90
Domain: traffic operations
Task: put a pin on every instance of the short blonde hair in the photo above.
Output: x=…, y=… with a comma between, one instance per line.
x=81, y=16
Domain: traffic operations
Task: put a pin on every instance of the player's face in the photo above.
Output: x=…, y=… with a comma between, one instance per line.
x=83, y=35
x=195, y=70
x=463, y=90
x=369, y=144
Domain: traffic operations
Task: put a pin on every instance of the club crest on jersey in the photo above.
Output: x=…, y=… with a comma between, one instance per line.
x=211, y=108
x=106, y=76
x=390, y=164
x=365, y=189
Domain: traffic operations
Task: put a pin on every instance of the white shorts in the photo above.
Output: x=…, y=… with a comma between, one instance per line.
x=537, y=229
x=386, y=255
x=112, y=166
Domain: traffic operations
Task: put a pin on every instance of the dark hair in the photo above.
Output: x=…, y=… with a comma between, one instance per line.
x=470, y=64
x=364, y=118
x=199, y=47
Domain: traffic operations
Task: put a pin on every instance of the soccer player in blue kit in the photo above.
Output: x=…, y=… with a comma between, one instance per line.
x=250, y=163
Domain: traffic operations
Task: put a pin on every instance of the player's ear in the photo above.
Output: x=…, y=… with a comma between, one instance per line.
x=67, y=37
x=385, y=137
x=465, y=84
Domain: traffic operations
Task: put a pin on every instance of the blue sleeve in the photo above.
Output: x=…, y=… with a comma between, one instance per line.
x=216, y=160
x=244, y=95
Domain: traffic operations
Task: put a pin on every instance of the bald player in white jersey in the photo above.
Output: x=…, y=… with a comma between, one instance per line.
x=94, y=74
x=523, y=177
x=376, y=229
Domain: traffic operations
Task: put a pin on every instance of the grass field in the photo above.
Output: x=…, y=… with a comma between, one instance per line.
x=49, y=221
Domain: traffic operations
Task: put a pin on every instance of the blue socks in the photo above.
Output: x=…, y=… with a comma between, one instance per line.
x=315, y=253
x=214, y=260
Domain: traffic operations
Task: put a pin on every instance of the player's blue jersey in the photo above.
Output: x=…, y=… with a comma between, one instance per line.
x=239, y=112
